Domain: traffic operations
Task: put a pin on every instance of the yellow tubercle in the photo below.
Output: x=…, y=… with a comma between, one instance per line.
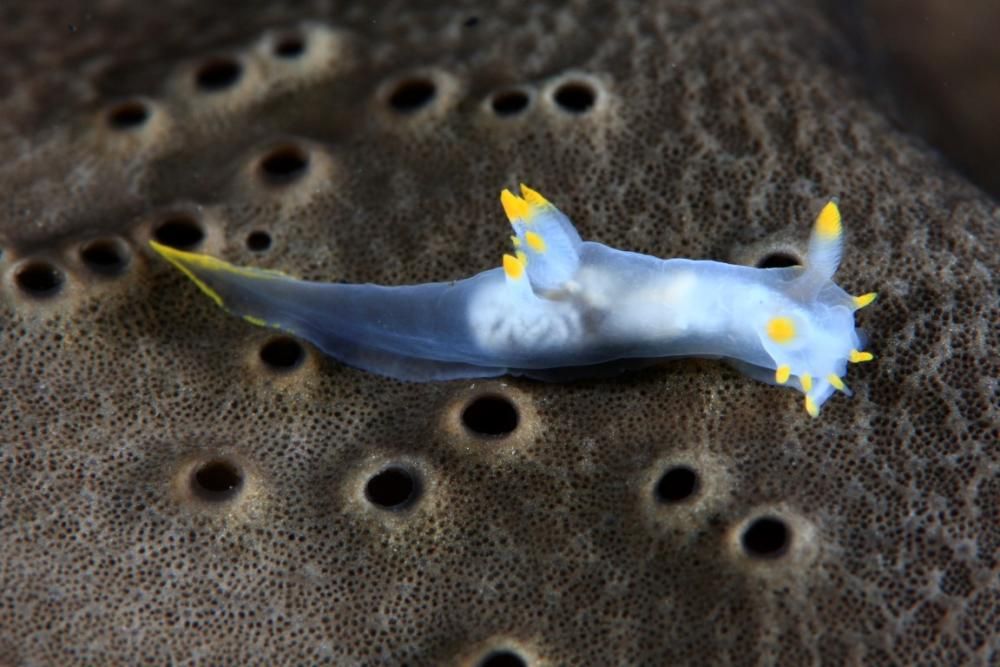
x=836, y=382
x=811, y=407
x=782, y=374
x=807, y=382
x=513, y=267
x=858, y=357
x=522, y=257
x=533, y=197
x=828, y=224
x=535, y=241
x=781, y=330
x=515, y=207
x=516, y=241
x=864, y=300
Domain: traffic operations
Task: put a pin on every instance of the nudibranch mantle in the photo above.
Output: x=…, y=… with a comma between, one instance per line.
x=558, y=303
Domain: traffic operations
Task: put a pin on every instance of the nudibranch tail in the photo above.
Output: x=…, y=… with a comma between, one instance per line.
x=411, y=332
x=234, y=288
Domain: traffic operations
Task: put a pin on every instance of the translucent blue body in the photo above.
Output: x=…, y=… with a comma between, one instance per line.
x=564, y=304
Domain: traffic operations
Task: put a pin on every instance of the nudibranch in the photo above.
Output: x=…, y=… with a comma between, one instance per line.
x=560, y=304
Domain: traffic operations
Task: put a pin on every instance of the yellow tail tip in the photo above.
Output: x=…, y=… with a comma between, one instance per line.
x=857, y=356
x=165, y=250
x=836, y=382
x=203, y=268
x=184, y=261
x=828, y=224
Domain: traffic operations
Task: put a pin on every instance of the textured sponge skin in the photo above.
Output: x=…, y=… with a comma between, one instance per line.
x=168, y=495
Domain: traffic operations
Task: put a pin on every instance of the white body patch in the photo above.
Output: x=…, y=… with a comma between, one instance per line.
x=506, y=324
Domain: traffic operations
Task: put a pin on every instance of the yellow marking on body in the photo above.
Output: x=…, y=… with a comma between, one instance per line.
x=516, y=241
x=513, y=267
x=522, y=257
x=182, y=260
x=515, y=207
x=828, y=221
x=836, y=382
x=533, y=197
x=863, y=300
x=255, y=320
x=811, y=407
x=536, y=241
x=807, y=382
x=781, y=330
x=782, y=374
x=857, y=357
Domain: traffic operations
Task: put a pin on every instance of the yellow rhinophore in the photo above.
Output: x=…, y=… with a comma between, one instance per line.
x=781, y=329
x=863, y=300
x=857, y=357
x=782, y=374
x=828, y=224
x=513, y=267
x=535, y=241
x=515, y=207
x=533, y=197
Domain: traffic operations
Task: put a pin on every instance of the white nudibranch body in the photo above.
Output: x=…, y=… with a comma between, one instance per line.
x=562, y=307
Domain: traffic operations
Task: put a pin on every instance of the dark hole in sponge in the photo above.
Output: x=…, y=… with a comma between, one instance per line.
x=258, y=241
x=284, y=165
x=412, y=95
x=766, y=537
x=509, y=103
x=216, y=480
x=394, y=488
x=128, y=115
x=575, y=97
x=219, y=74
x=180, y=231
x=40, y=279
x=290, y=46
x=105, y=256
x=502, y=659
x=778, y=260
x=490, y=415
x=282, y=354
x=677, y=484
